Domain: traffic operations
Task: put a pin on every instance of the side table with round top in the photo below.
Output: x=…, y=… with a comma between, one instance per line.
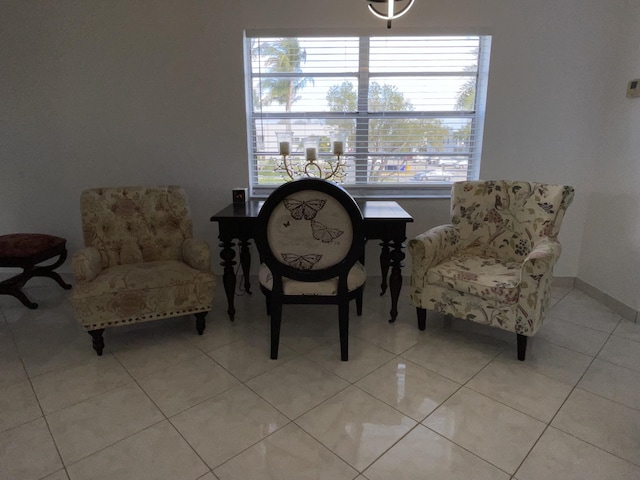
x=26, y=251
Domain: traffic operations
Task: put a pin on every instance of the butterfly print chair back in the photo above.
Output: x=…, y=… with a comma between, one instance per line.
x=310, y=239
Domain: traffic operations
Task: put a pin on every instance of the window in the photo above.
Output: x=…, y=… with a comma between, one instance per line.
x=412, y=109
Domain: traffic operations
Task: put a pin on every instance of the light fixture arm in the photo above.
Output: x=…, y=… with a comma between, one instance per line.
x=390, y=14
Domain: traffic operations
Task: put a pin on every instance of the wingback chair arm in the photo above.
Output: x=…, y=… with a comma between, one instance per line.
x=86, y=264
x=196, y=254
x=543, y=257
x=433, y=246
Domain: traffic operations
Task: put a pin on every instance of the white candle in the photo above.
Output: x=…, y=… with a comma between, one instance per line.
x=338, y=147
x=312, y=154
x=285, y=148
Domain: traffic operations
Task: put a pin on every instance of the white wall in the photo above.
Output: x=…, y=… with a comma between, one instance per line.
x=136, y=92
x=610, y=257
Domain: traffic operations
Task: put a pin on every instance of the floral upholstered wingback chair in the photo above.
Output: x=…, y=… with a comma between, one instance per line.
x=140, y=262
x=310, y=238
x=494, y=263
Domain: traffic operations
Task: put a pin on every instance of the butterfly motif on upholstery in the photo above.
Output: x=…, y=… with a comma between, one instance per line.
x=301, y=262
x=286, y=224
x=324, y=233
x=306, y=209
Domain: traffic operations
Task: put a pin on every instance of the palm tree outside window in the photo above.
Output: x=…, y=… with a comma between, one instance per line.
x=412, y=108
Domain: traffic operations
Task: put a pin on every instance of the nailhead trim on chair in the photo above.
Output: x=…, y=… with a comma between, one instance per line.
x=95, y=326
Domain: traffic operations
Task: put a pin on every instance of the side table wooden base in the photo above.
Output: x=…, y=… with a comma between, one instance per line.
x=26, y=251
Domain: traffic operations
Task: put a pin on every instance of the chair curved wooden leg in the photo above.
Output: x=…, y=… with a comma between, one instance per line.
x=201, y=322
x=98, y=341
x=276, y=321
x=422, y=318
x=522, y=346
x=359, y=298
x=343, y=319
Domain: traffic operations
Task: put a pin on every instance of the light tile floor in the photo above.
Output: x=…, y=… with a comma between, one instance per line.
x=451, y=402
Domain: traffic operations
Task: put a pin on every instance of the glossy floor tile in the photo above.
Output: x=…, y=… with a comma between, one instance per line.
x=562, y=456
x=493, y=431
x=450, y=402
x=611, y=426
x=288, y=454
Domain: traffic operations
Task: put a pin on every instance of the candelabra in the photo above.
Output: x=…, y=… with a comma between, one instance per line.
x=312, y=164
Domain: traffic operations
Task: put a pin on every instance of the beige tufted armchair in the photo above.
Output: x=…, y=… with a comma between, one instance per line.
x=140, y=262
x=494, y=263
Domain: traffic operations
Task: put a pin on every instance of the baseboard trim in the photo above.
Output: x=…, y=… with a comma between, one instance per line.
x=564, y=282
x=616, y=305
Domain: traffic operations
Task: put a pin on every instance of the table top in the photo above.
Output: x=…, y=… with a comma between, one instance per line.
x=371, y=210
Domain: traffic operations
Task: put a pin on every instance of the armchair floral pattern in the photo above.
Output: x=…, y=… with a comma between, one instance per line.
x=140, y=262
x=494, y=263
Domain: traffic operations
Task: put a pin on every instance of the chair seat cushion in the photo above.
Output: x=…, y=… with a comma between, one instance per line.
x=485, y=277
x=357, y=277
x=142, y=291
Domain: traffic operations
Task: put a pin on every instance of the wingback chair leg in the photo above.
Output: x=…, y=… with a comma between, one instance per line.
x=276, y=320
x=98, y=341
x=343, y=319
x=422, y=318
x=522, y=346
x=201, y=323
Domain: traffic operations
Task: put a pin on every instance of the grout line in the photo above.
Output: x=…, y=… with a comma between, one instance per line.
x=397, y=356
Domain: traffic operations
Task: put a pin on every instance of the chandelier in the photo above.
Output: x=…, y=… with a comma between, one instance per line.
x=390, y=13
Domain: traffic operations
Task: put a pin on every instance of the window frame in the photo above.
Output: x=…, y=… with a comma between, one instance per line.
x=435, y=189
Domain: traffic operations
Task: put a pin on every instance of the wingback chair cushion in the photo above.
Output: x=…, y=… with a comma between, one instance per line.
x=310, y=230
x=494, y=263
x=140, y=262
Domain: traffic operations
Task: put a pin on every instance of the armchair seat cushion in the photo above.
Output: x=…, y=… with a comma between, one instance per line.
x=356, y=278
x=485, y=277
x=142, y=291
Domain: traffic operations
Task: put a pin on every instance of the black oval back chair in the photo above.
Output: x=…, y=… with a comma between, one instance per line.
x=310, y=239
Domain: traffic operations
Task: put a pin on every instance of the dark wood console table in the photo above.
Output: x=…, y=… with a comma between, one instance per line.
x=383, y=220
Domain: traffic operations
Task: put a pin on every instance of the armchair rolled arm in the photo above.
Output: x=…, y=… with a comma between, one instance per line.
x=543, y=257
x=196, y=254
x=433, y=246
x=86, y=264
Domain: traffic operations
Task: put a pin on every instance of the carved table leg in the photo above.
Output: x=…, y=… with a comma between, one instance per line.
x=245, y=263
x=13, y=286
x=228, y=278
x=22, y=297
x=395, y=280
x=47, y=271
x=385, y=260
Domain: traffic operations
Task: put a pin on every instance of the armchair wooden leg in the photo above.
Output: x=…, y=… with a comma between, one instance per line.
x=98, y=341
x=522, y=346
x=201, y=323
x=422, y=318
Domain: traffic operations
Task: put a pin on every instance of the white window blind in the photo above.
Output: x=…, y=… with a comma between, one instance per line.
x=412, y=108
